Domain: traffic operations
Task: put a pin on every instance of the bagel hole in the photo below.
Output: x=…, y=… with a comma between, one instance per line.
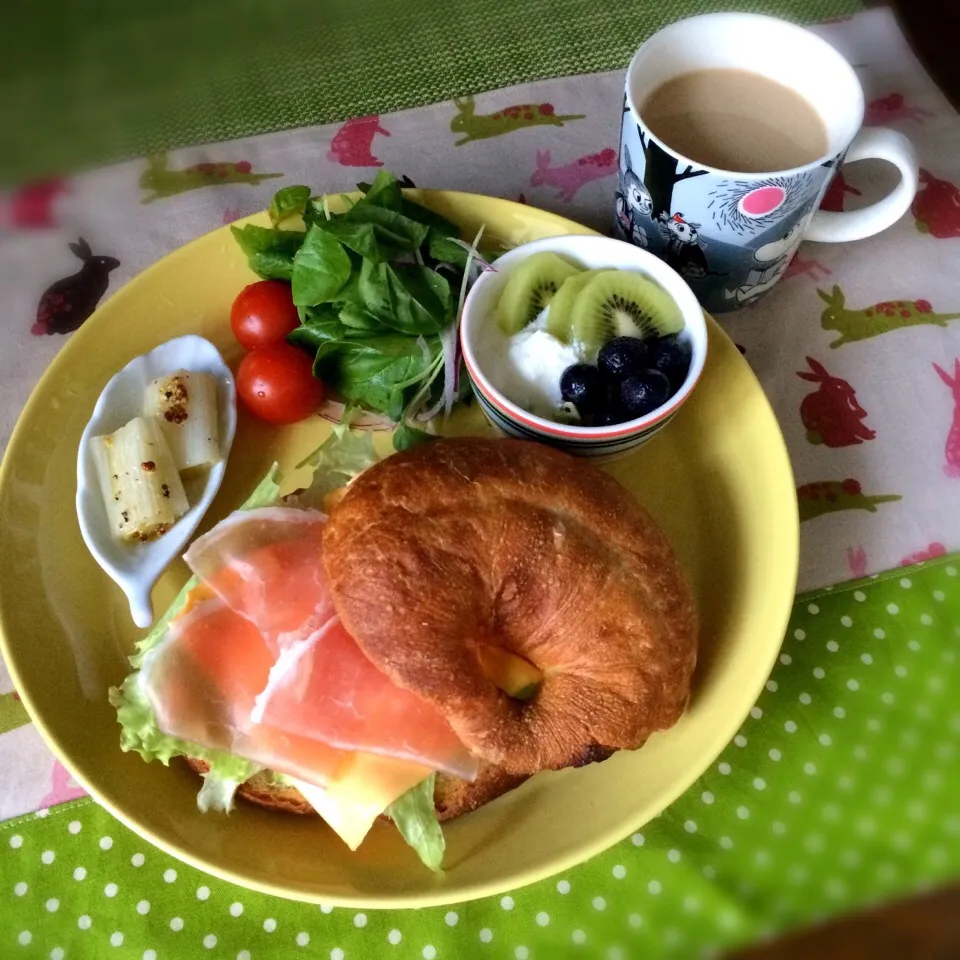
x=514, y=675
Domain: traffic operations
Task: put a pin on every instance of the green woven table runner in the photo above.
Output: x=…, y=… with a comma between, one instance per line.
x=839, y=790
x=87, y=83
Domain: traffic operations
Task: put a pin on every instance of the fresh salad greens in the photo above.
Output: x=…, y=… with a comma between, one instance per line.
x=415, y=816
x=288, y=202
x=345, y=454
x=406, y=436
x=379, y=289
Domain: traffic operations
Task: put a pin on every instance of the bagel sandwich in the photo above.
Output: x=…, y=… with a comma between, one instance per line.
x=460, y=617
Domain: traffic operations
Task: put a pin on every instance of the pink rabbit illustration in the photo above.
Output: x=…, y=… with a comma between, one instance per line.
x=857, y=562
x=569, y=178
x=933, y=550
x=835, y=197
x=936, y=207
x=832, y=415
x=352, y=144
x=31, y=206
x=891, y=108
x=952, y=449
x=62, y=787
x=814, y=269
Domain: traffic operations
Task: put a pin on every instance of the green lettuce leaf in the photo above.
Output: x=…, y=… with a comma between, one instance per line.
x=138, y=725
x=361, y=238
x=443, y=249
x=321, y=324
x=407, y=298
x=288, y=202
x=344, y=455
x=397, y=230
x=269, y=252
x=415, y=817
x=373, y=232
x=219, y=787
x=407, y=436
x=359, y=321
x=384, y=191
x=379, y=372
x=321, y=268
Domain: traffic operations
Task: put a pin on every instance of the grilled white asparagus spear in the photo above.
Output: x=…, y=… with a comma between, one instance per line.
x=186, y=406
x=141, y=488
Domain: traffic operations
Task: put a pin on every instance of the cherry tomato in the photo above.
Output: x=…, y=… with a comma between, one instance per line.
x=276, y=383
x=263, y=313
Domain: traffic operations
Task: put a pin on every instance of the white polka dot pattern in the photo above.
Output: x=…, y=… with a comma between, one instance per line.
x=838, y=789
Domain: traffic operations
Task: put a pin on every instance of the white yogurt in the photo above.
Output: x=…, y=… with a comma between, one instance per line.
x=526, y=367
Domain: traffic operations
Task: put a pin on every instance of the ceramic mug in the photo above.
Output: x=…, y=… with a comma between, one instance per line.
x=731, y=235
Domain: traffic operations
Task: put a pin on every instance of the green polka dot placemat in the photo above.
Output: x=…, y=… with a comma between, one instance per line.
x=839, y=790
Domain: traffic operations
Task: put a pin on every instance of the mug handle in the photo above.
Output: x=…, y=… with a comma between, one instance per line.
x=872, y=143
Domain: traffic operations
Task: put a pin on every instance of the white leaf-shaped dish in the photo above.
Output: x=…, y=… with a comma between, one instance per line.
x=136, y=567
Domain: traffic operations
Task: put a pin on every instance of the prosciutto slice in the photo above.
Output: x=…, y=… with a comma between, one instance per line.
x=202, y=682
x=265, y=564
x=327, y=689
x=259, y=664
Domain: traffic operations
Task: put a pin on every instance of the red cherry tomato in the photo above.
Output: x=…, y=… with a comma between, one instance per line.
x=263, y=313
x=276, y=383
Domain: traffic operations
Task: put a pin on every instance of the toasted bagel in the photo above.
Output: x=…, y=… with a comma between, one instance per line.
x=452, y=796
x=457, y=543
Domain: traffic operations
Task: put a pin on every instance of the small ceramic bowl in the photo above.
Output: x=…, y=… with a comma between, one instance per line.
x=136, y=567
x=592, y=252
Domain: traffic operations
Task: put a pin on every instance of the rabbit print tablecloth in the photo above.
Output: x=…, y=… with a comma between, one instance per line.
x=858, y=349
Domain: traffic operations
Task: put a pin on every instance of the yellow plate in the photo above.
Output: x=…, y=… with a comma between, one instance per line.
x=717, y=479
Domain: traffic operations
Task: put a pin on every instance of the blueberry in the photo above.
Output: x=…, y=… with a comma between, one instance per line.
x=621, y=357
x=580, y=385
x=607, y=418
x=671, y=356
x=643, y=393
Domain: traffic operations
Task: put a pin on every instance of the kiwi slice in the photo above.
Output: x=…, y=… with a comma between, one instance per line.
x=529, y=288
x=561, y=306
x=622, y=303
